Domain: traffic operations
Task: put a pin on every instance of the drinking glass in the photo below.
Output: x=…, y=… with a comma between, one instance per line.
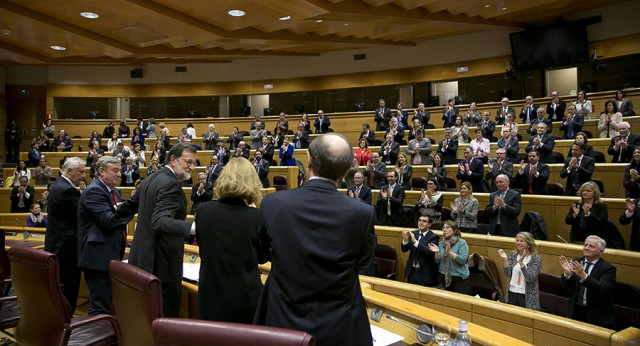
x=441, y=332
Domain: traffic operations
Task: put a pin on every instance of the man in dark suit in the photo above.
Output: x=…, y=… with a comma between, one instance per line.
x=533, y=176
x=543, y=143
x=389, y=150
x=22, y=196
x=210, y=138
x=556, y=107
x=129, y=173
x=242, y=150
x=528, y=112
x=314, y=284
x=101, y=234
x=497, y=166
x=256, y=136
x=632, y=214
x=267, y=150
x=375, y=171
x=360, y=191
x=591, y=281
x=449, y=114
x=223, y=153
x=390, y=200
x=62, y=142
x=382, y=116
x=421, y=268
x=234, y=138
x=213, y=170
x=578, y=169
x=158, y=244
x=322, y=123
x=472, y=171
x=540, y=119
x=262, y=168
x=34, y=155
x=423, y=115
x=502, y=112
x=510, y=145
x=300, y=138
x=572, y=123
x=121, y=152
x=503, y=209
x=368, y=134
x=201, y=192
x=448, y=147
x=61, y=237
x=622, y=146
x=488, y=127
x=396, y=130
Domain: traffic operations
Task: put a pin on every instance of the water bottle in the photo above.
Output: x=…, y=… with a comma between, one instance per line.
x=462, y=339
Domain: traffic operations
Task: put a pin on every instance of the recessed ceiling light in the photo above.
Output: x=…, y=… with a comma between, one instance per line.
x=58, y=48
x=90, y=15
x=236, y=13
x=504, y=8
x=319, y=21
x=346, y=24
x=6, y=31
x=487, y=5
x=284, y=18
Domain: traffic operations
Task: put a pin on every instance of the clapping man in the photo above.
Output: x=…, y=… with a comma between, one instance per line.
x=201, y=192
x=497, y=166
x=389, y=150
x=421, y=268
x=360, y=191
x=533, y=176
x=577, y=169
x=543, y=143
x=503, y=209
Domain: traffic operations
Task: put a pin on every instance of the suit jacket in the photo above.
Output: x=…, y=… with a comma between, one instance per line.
x=450, y=154
x=397, y=216
x=100, y=237
x=536, y=121
x=256, y=138
x=210, y=141
x=508, y=215
x=398, y=136
x=512, y=151
x=34, y=157
x=501, y=116
x=577, y=122
x=392, y=156
x=379, y=170
x=303, y=138
x=241, y=153
x=488, y=130
x=423, y=117
x=28, y=201
x=267, y=151
x=627, y=154
x=558, y=114
x=365, y=193
x=583, y=226
x=224, y=156
x=547, y=143
x=425, y=151
x=578, y=175
x=449, y=117
x=322, y=126
x=134, y=175
x=235, y=139
x=631, y=188
x=423, y=257
x=206, y=195
x=507, y=168
x=371, y=137
x=382, y=117
x=66, y=140
x=599, y=284
x=475, y=175
x=538, y=183
x=528, y=112
x=214, y=173
x=158, y=244
x=263, y=172
x=634, y=241
x=314, y=284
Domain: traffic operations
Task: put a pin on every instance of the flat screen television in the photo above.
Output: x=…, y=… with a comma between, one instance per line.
x=554, y=46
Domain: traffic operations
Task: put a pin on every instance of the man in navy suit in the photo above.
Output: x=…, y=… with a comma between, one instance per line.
x=543, y=143
x=389, y=150
x=528, y=112
x=488, y=127
x=510, y=144
x=317, y=250
x=262, y=168
x=448, y=147
x=382, y=116
x=61, y=237
x=472, y=170
x=572, y=123
x=503, y=209
x=360, y=191
x=421, y=268
x=390, y=200
x=101, y=234
x=497, y=166
x=622, y=146
x=590, y=281
x=578, y=169
x=540, y=119
x=533, y=176
x=213, y=170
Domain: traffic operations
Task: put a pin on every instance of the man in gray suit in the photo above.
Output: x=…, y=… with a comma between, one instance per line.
x=317, y=250
x=256, y=135
x=503, y=209
x=419, y=148
x=158, y=245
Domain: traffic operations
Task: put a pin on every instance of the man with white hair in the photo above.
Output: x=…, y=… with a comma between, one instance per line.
x=590, y=280
x=210, y=138
x=622, y=146
x=501, y=113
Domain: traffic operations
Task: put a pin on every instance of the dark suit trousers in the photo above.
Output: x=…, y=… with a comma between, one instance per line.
x=416, y=279
x=171, y=296
x=69, y=277
x=99, y=284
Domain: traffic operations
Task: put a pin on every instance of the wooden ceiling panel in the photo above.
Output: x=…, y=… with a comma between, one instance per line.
x=196, y=31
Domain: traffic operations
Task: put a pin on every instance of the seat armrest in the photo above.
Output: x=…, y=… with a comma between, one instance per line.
x=84, y=320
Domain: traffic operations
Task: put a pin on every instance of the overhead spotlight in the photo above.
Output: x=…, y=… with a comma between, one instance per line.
x=236, y=13
x=284, y=18
x=6, y=31
x=60, y=48
x=90, y=15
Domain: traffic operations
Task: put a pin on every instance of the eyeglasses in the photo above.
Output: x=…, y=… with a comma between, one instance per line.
x=188, y=162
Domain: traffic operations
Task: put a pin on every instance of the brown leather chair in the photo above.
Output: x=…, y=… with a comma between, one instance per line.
x=600, y=186
x=46, y=317
x=418, y=183
x=137, y=298
x=452, y=186
x=387, y=260
x=555, y=189
x=280, y=182
x=9, y=307
x=187, y=332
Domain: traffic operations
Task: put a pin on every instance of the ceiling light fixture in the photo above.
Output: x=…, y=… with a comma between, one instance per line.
x=319, y=21
x=236, y=13
x=90, y=15
x=284, y=18
x=6, y=31
x=61, y=48
x=504, y=8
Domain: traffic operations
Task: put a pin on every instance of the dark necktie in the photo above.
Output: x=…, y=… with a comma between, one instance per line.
x=531, y=175
x=582, y=291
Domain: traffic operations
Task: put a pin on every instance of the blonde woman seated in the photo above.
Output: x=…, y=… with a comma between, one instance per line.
x=522, y=267
x=464, y=209
x=451, y=254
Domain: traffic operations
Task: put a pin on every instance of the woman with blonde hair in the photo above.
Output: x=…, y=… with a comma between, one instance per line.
x=589, y=216
x=522, y=267
x=404, y=170
x=227, y=232
x=464, y=209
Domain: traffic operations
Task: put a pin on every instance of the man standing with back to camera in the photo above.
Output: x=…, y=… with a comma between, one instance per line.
x=318, y=239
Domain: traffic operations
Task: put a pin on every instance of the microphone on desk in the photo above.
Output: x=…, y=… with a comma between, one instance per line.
x=423, y=332
x=26, y=233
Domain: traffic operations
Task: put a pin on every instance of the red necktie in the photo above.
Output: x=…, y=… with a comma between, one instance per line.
x=530, y=180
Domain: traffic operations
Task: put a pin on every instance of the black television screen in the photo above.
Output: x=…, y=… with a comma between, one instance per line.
x=550, y=47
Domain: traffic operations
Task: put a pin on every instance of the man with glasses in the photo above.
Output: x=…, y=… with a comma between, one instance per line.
x=622, y=146
x=421, y=268
x=528, y=112
x=158, y=244
x=556, y=107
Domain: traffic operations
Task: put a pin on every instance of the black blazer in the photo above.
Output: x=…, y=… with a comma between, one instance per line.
x=382, y=117
x=627, y=154
x=371, y=138
x=558, y=114
x=508, y=214
x=547, y=143
x=396, y=201
x=512, y=151
x=15, y=199
x=263, y=173
x=600, y=285
x=583, y=172
x=449, y=117
x=392, y=156
x=206, y=195
x=424, y=257
x=475, y=176
x=450, y=154
x=531, y=113
x=365, y=193
x=546, y=121
x=214, y=173
x=538, y=184
x=304, y=140
x=634, y=242
x=594, y=224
